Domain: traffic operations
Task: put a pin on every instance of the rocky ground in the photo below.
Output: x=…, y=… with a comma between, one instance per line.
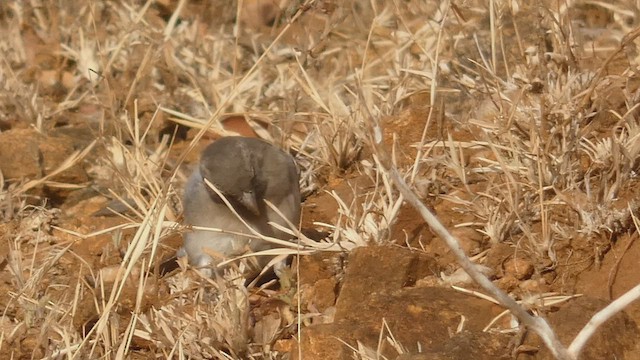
x=515, y=124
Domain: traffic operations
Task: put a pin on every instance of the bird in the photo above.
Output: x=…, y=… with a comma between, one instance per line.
x=247, y=171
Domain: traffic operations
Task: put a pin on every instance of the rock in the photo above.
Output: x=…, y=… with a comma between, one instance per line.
x=319, y=266
x=497, y=255
x=433, y=313
x=465, y=345
x=321, y=295
x=20, y=155
x=535, y=286
x=520, y=268
x=380, y=269
x=319, y=280
x=83, y=203
x=507, y=283
x=410, y=228
x=378, y=296
x=615, y=339
x=469, y=238
x=27, y=153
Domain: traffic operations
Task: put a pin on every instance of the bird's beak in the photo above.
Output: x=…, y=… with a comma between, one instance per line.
x=248, y=200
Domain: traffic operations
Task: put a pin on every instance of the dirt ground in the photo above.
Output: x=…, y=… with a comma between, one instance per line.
x=515, y=124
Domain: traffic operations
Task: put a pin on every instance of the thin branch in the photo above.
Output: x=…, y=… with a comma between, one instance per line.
x=600, y=317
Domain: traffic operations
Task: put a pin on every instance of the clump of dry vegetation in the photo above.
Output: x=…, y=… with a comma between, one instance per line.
x=521, y=119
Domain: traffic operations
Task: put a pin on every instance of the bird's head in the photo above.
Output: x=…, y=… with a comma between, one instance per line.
x=231, y=169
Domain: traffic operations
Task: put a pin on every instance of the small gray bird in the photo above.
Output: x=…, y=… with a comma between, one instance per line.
x=246, y=171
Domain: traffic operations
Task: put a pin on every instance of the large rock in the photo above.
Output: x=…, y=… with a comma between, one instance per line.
x=615, y=339
x=376, y=270
x=382, y=311
x=20, y=155
x=419, y=319
x=27, y=153
x=378, y=297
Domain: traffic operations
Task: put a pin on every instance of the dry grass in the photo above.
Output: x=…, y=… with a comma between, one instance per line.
x=536, y=135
